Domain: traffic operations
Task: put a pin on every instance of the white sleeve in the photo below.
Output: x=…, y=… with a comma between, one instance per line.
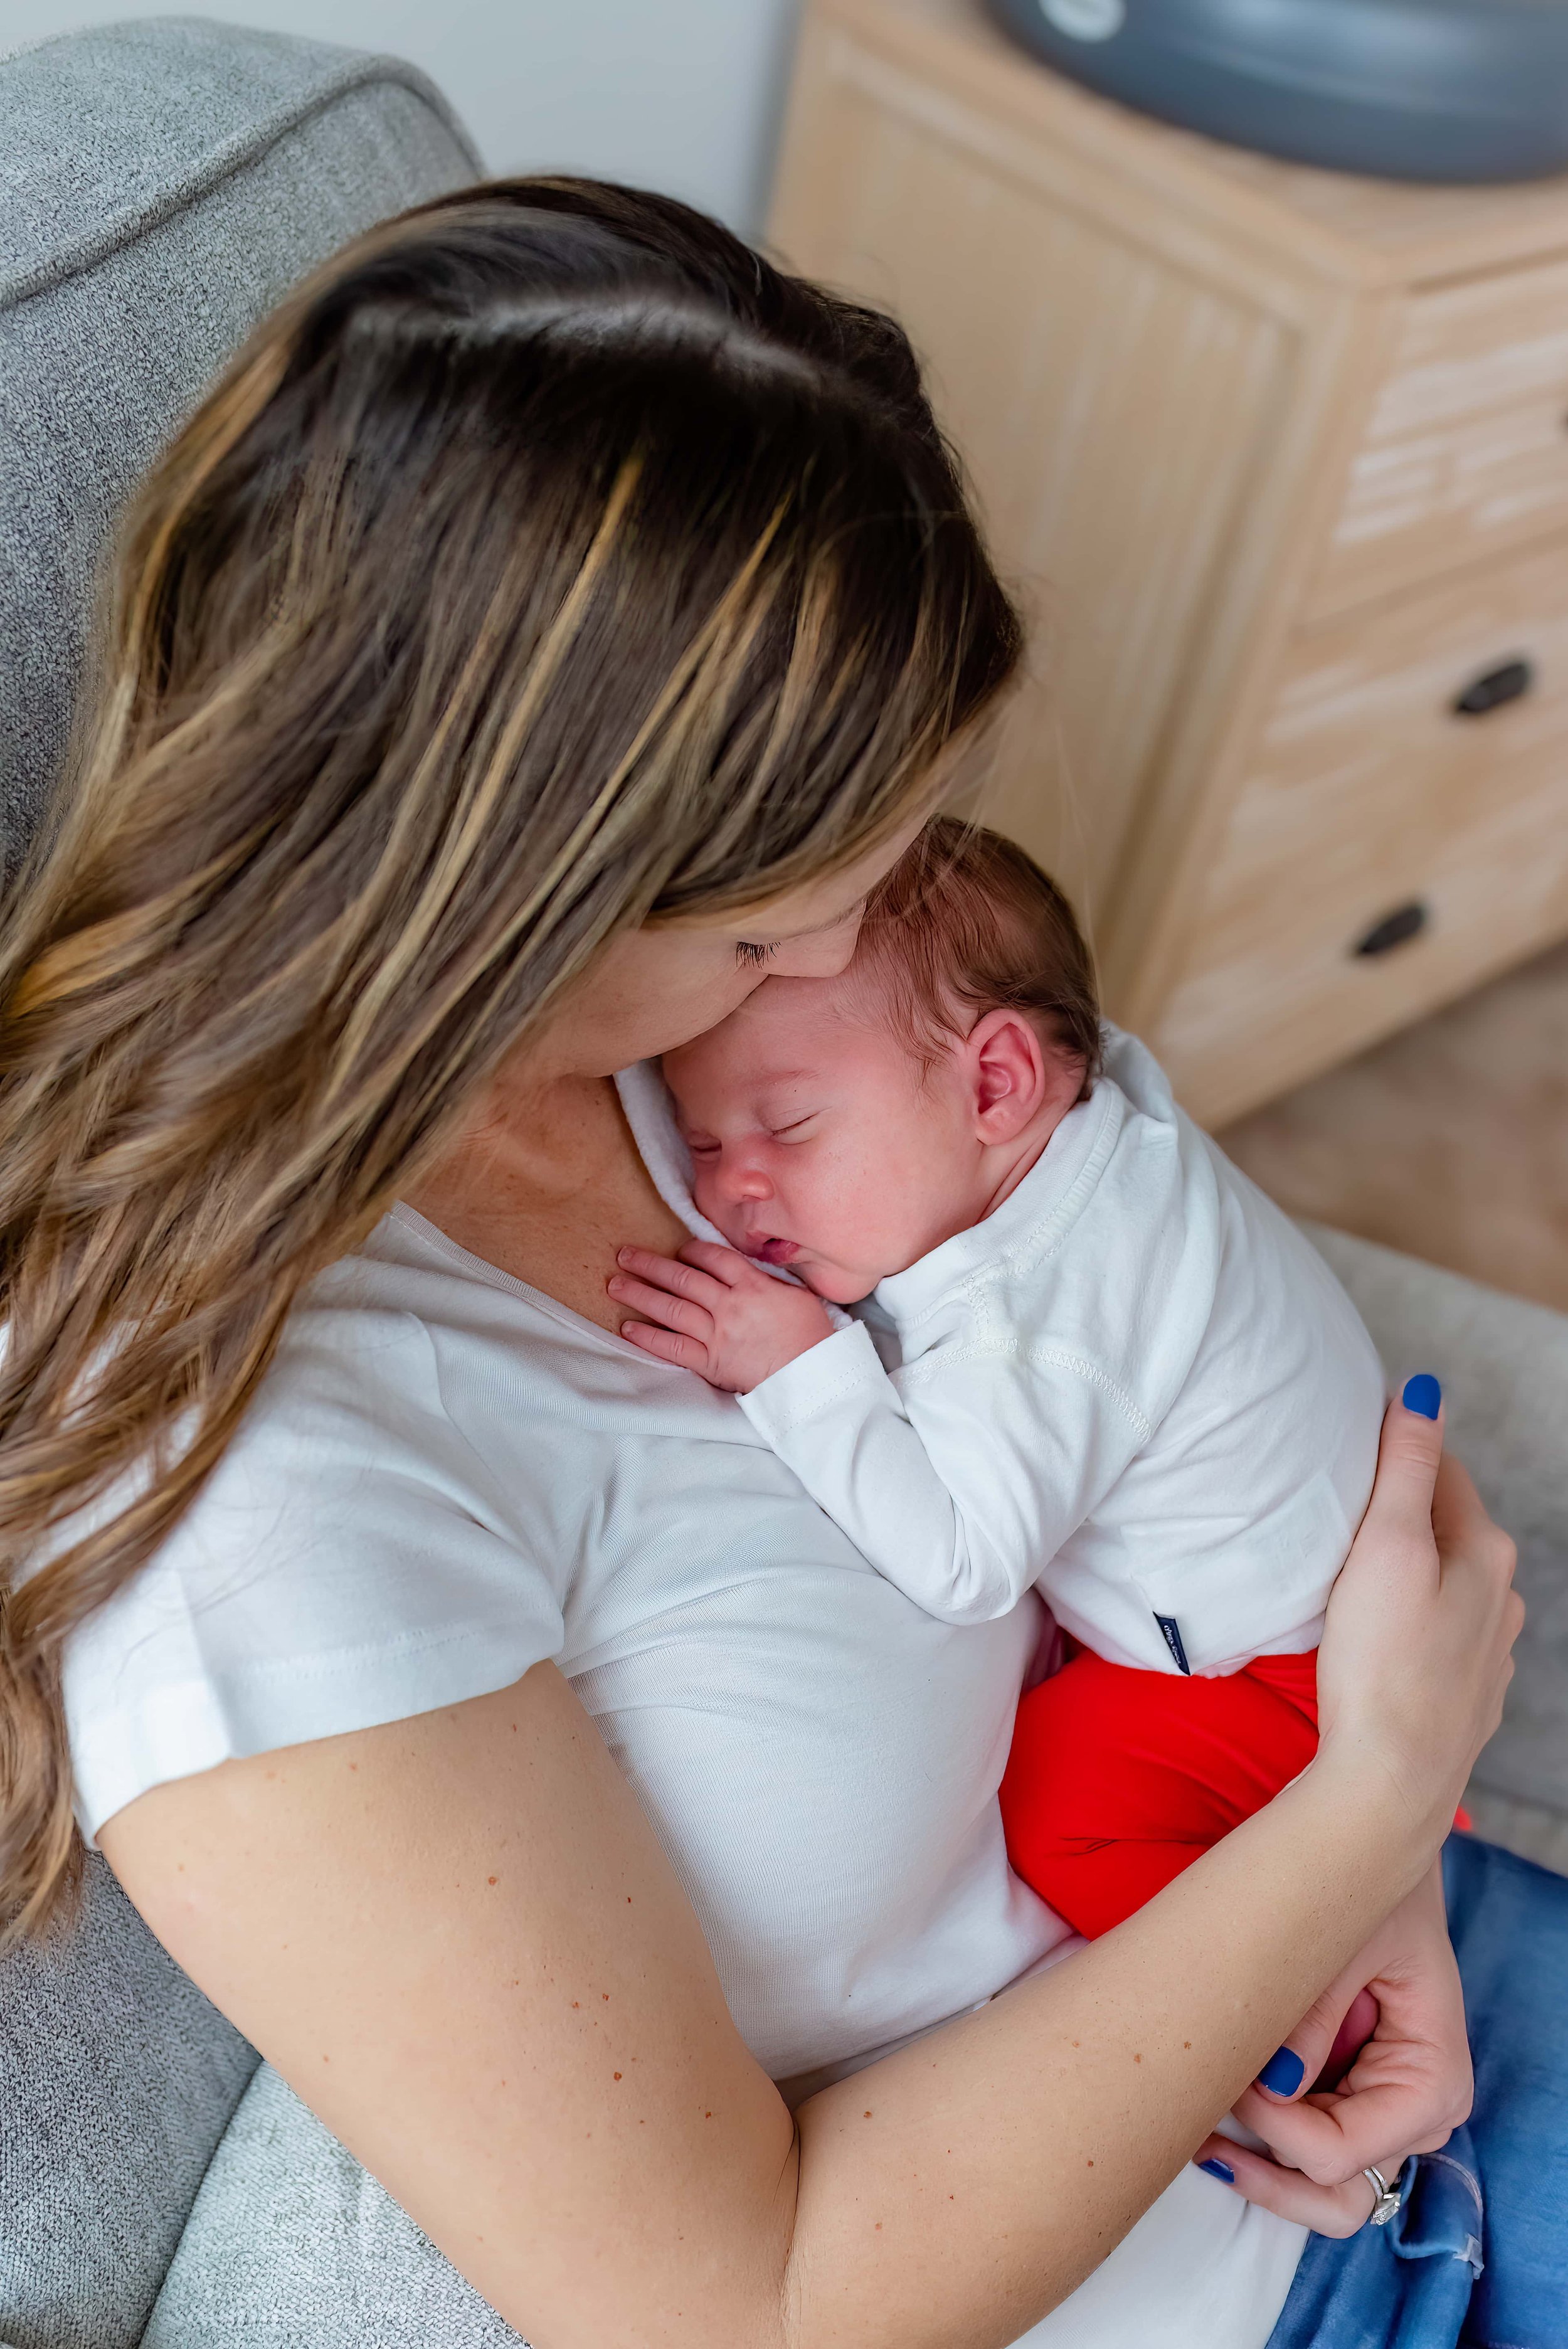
x=958, y=1478
x=343, y=1565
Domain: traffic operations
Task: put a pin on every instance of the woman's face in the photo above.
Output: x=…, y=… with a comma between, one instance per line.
x=656, y=987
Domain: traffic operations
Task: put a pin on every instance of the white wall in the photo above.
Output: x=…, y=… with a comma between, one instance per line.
x=681, y=94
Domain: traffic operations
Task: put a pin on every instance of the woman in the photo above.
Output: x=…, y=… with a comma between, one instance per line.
x=555, y=621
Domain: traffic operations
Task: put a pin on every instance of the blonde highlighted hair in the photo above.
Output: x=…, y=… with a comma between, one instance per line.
x=546, y=564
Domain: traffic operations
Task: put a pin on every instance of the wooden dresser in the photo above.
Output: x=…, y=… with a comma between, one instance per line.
x=1278, y=459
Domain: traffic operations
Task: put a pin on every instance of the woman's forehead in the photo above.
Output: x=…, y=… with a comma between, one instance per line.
x=818, y=904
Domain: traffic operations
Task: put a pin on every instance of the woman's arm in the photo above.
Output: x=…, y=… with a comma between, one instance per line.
x=457, y=1938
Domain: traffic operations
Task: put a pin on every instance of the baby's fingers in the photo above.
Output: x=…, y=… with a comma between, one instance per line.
x=686, y=1353
x=666, y=1272
x=724, y=1265
x=671, y=1312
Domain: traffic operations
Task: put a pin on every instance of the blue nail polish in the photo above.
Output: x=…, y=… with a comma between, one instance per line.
x=1422, y=1393
x=1219, y=2169
x=1282, y=2074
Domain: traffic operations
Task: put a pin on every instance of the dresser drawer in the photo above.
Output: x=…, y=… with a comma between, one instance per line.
x=1403, y=830
x=1467, y=449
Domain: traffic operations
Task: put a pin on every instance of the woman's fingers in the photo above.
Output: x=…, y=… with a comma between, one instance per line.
x=1296, y=2065
x=1457, y=1510
x=1330, y=2139
x=1414, y=1660
x=1462, y=1529
x=1339, y=2209
x=1411, y=2089
x=1471, y=1545
x=1466, y=1535
x=1410, y=1454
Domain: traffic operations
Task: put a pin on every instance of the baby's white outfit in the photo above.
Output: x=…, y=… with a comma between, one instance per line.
x=1135, y=1386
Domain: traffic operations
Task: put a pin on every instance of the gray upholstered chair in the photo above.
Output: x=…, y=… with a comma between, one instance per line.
x=160, y=184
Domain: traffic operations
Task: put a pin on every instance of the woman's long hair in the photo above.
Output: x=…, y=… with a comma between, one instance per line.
x=547, y=564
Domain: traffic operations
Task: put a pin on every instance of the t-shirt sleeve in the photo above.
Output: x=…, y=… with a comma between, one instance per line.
x=958, y=1478
x=348, y=1563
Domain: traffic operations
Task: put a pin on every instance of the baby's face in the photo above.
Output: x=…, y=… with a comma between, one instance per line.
x=817, y=1144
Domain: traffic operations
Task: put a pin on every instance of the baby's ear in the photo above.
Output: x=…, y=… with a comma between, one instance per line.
x=1011, y=1077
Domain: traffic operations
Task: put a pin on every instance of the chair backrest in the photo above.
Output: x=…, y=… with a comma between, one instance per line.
x=161, y=184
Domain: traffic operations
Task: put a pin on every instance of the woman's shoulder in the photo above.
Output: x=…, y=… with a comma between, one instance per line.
x=352, y=1559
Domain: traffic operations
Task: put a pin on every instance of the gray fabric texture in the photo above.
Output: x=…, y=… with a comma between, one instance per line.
x=162, y=183
x=292, y=2245
x=1503, y=1364
x=117, y=2080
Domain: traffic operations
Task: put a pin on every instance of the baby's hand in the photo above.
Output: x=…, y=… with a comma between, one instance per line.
x=716, y=1313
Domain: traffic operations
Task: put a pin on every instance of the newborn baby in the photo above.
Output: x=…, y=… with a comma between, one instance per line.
x=1090, y=1356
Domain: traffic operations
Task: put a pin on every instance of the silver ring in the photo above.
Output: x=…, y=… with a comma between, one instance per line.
x=1387, y=2195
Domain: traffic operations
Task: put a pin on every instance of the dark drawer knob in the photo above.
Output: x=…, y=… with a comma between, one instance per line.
x=1510, y=682
x=1395, y=929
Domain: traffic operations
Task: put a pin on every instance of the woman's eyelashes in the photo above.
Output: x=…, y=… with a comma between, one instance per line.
x=754, y=956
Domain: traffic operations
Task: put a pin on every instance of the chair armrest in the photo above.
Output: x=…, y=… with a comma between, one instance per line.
x=1503, y=1363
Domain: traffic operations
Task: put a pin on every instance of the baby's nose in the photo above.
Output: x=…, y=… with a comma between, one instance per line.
x=741, y=1181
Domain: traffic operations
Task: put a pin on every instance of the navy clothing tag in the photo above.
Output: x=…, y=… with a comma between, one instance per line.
x=1172, y=1639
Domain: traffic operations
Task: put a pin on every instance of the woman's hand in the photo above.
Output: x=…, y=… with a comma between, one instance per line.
x=712, y=1312
x=1412, y=1672
x=1408, y=2087
x=1415, y=1657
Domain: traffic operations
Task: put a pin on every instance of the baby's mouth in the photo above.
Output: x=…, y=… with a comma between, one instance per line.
x=768, y=1251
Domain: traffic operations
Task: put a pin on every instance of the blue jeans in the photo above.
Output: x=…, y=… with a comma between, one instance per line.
x=1476, y=2257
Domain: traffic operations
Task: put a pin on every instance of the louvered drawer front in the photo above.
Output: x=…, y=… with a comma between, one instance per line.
x=1404, y=829
x=1467, y=448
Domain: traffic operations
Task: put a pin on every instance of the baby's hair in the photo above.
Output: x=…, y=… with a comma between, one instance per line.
x=967, y=922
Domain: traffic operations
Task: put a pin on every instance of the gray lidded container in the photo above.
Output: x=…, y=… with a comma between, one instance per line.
x=1403, y=89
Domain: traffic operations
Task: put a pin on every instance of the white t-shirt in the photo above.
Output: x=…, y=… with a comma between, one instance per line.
x=1135, y=1387
x=447, y=1477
